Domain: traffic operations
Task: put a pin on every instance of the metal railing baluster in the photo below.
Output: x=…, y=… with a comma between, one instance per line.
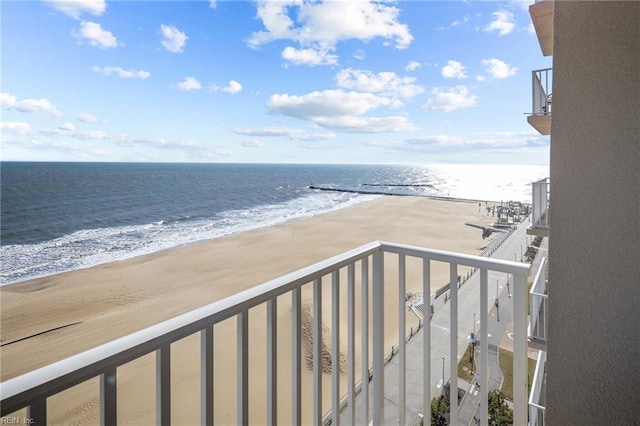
x=272, y=362
x=296, y=356
x=163, y=385
x=377, y=384
x=206, y=376
x=365, y=340
x=426, y=343
x=351, y=346
x=317, y=351
x=453, y=345
x=243, y=369
x=402, y=365
x=108, y=400
x=335, y=348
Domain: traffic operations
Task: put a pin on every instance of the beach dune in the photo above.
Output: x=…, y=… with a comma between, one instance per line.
x=71, y=312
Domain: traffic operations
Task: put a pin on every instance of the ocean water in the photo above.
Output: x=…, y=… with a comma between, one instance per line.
x=57, y=217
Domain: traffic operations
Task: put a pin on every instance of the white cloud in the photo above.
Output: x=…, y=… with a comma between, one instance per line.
x=452, y=99
x=75, y=8
x=16, y=127
x=319, y=26
x=173, y=39
x=453, y=69
x=359, y=54
x=95, y=35
x=313, y=56
x=293, y=134
x=333, y=103
x=233, y=87
x=498, y=69
x=213, y=4
x=313, y=137
x=412, y=66
x=121, y=72
x=503, y=23
x=338, y=110
x=8, y=101
x=385, y=83
x=67, y=127
x=459, y=22
x=88, y=118
x=266, y=131
x=251, y=143
x=189, y=83
x=351, y=124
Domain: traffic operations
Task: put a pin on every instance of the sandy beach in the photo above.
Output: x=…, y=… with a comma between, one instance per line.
x=99, y=304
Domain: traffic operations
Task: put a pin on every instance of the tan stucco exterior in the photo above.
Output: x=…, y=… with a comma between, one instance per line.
x=593, y=364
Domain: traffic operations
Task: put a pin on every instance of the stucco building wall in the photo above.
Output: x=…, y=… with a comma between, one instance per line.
x=593, y=365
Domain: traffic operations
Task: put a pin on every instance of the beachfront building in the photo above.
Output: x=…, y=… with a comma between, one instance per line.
x=593, y=332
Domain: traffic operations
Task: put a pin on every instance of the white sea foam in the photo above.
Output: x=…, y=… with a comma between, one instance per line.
x=86, y=248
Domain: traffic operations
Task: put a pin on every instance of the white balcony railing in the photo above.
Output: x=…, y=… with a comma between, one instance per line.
x=536, y=409
x=541, y=81
x=538, y=305
x=360, y=274
x=540, y=206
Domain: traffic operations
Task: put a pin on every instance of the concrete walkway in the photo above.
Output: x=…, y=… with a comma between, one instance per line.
x=468, y=305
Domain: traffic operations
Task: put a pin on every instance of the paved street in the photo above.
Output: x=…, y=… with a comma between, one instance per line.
x=468, y=304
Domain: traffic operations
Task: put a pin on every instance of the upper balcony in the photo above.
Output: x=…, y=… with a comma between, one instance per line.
x=541, y=85
x=542, y=17
x=336, y=365
x=539, y=208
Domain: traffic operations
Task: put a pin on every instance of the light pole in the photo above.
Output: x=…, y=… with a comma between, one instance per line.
x=443, y=376
x=497, y=303
x=473, y=343
x=473, y=335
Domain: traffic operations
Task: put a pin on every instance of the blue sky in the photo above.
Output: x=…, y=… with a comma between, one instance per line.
x=289, y=81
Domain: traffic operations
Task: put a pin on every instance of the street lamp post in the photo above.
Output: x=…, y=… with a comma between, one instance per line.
x=442, y=376
x=473, y=343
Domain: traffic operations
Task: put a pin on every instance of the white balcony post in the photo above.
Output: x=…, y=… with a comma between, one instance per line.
x=426, y=343
x=37, y=412
x=402, y=366
x=351, y=345
x=453, y=345
x=108, y=400
x=296, y=356
x=272, y=362
x=378, y=338
x=484, y=347
x=317, y=351
x=163, y=386
x=520, y=349
x=365, y=340
x=206, y=378
x=335, y=348
x=243, y=369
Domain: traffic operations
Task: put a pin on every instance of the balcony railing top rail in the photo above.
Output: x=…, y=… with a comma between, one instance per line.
x=32, y=389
